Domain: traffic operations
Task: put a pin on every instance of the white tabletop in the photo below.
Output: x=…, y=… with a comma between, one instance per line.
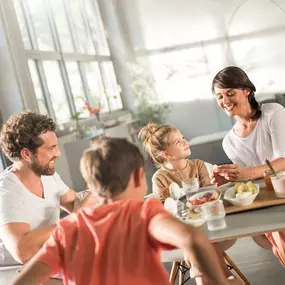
x=250, y=223
x=244, y=224
x=7, y=274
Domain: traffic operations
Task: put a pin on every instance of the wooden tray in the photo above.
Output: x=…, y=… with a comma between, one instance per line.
x=264, y=199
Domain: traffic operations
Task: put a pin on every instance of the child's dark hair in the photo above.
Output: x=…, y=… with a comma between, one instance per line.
x=107, y=166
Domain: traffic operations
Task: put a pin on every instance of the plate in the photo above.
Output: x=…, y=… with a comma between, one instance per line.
x=195, y=221
x=201, y=194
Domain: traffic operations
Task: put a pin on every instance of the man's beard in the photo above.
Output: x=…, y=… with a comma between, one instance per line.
x=40, y=169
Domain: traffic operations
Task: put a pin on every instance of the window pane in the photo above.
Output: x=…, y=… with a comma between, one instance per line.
x=84, y=41
x=177, y=72
x=41, y=25
x=22, y=24
x=38, y=88
x=97, y=28
x=57, y=91
x=77, y=87
x=62, y=25
x=111, y=86
x=96, y=86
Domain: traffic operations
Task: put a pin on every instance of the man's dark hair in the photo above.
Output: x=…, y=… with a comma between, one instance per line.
x=22, y=131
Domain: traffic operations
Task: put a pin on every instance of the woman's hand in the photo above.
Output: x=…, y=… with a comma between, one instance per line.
x=217, y=179
x=231, y=172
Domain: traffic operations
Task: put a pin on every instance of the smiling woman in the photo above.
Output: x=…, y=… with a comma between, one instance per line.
x=234, y=91
x=257, y=135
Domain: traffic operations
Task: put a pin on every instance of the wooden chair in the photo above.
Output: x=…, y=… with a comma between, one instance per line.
x=233, y=267
x=181, y=268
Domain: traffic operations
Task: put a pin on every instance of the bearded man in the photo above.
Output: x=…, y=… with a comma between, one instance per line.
x=31, y=192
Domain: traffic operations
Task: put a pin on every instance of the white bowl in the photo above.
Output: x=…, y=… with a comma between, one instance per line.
x=194, y=221
x=242, y=201
x=202, y=193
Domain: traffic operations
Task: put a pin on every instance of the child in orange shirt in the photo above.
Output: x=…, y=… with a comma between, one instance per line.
x=169, y=150
x=117, y=241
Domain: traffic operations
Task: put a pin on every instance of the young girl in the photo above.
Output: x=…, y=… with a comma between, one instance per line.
x=118, y=240
x=169, y=150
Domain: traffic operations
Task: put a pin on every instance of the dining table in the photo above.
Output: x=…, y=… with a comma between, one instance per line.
x=8, y=273
x=240, y=225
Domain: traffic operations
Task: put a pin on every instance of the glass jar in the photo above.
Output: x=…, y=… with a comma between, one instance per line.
x=267, y=179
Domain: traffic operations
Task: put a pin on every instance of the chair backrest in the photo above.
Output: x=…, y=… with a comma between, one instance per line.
x=209, y=166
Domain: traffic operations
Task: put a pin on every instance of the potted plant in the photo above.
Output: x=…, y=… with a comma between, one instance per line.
x=148, y=107
x=79, y=130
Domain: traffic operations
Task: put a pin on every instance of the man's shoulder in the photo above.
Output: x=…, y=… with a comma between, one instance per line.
x=8, y=182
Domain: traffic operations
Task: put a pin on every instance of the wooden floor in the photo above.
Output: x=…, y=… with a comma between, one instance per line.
x=260, y=267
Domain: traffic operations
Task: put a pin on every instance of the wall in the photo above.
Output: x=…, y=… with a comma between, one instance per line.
x=10, y=99
x=186, y=42
x=14, y=79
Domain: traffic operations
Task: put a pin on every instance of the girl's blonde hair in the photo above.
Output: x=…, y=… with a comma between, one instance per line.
x=155, y=139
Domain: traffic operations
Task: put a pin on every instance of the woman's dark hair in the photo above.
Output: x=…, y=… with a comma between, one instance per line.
x=235, y=77
x=23, y=130
x=107, y=166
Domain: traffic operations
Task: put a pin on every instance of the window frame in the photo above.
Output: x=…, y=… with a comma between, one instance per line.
x=61, y=57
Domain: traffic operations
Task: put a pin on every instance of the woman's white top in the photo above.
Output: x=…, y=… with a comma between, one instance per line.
x=266, y=141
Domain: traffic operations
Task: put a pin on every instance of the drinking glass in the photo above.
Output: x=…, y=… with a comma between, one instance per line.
x=215, y=215
x=279, y=184
x=190, y=186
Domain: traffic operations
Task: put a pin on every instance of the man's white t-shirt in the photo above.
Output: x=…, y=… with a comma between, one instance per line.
x=19, y=205
x=266, y=141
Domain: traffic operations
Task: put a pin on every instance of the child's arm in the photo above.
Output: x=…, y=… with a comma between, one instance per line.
x=204, y=176
x=34, y=273
x=159, y=188
x=169, y=230
x=47, y=261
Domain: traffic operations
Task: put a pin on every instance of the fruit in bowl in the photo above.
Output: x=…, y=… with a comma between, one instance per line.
x=242, y=194
x=243, y=190
x=204, y=197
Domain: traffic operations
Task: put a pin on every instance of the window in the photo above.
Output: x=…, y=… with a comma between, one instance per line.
x=181, y=75
x=69, y=57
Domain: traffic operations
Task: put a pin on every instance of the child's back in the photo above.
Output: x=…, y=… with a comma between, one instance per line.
x=108, y=245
